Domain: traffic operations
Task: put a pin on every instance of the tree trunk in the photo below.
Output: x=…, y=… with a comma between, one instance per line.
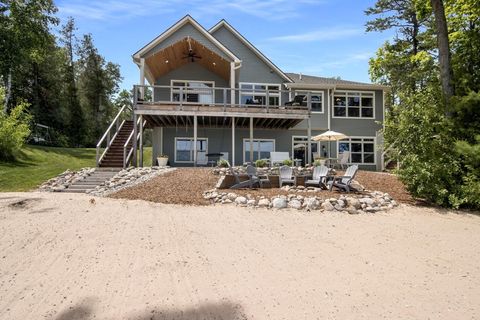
x=8, y=91
x=446, y=73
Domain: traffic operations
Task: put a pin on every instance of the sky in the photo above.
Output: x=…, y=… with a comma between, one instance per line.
x=315, y=37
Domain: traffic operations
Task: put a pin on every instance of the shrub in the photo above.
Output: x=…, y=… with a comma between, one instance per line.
x=317, y=163
x=14, y=129
x=222, y=163
x=287, y=162
x=260, y=163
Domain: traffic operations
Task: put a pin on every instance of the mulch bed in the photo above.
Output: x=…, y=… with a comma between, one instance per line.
x=186, y=186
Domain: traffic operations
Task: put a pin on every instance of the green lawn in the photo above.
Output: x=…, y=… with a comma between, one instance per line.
x=37, y=164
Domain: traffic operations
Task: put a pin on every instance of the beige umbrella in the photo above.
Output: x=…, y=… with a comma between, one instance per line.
x=329, y=136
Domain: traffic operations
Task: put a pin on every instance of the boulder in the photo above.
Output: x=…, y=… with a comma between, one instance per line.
x=240, y=200
x=352, y=210
x=327, y=206
x=264, y=203
x=354, y=202
x=251, y=203
x=311, y=204
x=295, y=204
x=279, y=203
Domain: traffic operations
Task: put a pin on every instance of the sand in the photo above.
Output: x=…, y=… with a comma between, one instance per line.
x=65, y=256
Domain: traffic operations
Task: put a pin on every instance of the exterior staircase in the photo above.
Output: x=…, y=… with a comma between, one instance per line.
x=95, y=179
x=114, y=155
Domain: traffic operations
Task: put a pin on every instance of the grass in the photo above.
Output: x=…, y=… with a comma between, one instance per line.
x=36, y=164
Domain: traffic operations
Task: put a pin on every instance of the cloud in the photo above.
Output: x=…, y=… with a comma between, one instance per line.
x=333, y=33
x=126, y=9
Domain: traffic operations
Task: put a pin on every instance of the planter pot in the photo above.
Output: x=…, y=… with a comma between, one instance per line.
x=162, y=161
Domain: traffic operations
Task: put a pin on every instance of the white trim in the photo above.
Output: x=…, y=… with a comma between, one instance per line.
x=329, y=113
x=194, y=81
x=254, y=139
x=185, y=138
x=174, y=28
x=296, y=92
x=253, y=84
x=346, y=106
x=374, y=138
x=250, y=46
x=348, y=87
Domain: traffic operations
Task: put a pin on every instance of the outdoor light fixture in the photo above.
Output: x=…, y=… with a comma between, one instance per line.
x=166, y=61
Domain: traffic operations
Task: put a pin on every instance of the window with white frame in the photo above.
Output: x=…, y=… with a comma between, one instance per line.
x=261, y=149
x=193, y=91
x=316, y=98
x=362, y=150
x=256, y=93
x=184, y=148
x=349, y=104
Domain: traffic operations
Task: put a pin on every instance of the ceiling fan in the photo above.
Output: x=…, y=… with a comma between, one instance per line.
x=190, y=54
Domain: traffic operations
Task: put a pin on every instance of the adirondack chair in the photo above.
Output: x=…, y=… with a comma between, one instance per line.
x=319, y=177
x=242, y=184
x=255, y=178
x=342, y=161
x=286, y=176
x=343, y=182
x=278, y=157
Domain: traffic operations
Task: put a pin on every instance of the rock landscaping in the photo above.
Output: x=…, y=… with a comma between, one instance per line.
x=350, y=203
x=127, y=178
x=65, y=179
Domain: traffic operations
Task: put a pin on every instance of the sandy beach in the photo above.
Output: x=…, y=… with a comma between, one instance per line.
x=65, y=256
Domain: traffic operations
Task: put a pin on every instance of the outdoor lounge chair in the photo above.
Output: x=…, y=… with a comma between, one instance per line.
x=278, y=157
x=242, y=184
x=255, y=178
x=319, y=177
x=343, y=182
x=342, y=161
x=286, y=176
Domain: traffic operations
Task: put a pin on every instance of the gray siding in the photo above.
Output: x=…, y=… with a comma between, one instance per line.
x=190, y=71
x=183, y=32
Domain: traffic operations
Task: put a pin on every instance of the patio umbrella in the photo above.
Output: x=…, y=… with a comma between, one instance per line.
x=330, y=136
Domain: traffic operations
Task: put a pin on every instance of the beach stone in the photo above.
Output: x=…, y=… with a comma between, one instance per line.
x=240, y=200
x=295, y=204
x=352, y=210
x=279, y=203
x=327, y=206
x=354, y=202
x=251, y=202
x=227, y=201
x=311, y=204
x=264, y=203
x=232, y=196
x=341, y=203
x=367, y=201
x=338, y=207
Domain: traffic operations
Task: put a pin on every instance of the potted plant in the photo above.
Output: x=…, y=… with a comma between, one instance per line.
x=162, y=160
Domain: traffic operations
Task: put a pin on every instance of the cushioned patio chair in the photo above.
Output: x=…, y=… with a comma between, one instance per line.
x=319, y=177
x=343, y=182
x=286, y=176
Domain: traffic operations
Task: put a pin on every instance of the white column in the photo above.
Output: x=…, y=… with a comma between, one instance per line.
x=135, y=132
x=251, y=140
x=309, y=138
x=141, y=141
x=194, y=140
x=232, y=83
x=142, y=77
x=329, y=98
x=233, y=141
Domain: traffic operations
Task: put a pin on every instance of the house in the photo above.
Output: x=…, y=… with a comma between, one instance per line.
x=211, y=92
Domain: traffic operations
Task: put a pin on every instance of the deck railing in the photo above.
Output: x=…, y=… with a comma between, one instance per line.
x=224, y=98
x=127, y=147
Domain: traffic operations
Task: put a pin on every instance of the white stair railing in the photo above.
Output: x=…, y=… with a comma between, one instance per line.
x=108, y=137
x=127, y=153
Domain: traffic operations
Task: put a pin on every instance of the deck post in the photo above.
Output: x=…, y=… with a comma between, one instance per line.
x=309, y=138
x=233, y=141
x=135, y=133
x=142, y=78
x=232, y=83
x=194, y=140
x=251, y=140
x=141, y=141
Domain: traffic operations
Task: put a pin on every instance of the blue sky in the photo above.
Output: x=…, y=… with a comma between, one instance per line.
x=322, y=37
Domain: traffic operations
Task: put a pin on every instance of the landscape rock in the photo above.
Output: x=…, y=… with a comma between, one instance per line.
x=241, y=200
x=327, y=206
x=295, y=204
x=279, y=203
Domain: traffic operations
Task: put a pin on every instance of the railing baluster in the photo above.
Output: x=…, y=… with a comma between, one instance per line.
x=267, y=98
x=224, y=99
x=181, y=98
x=309, y=101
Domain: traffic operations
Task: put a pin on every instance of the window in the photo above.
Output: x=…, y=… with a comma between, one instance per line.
x=193, y=91
x=184, y=148
x=256, y=94
x=261, y=149
x=299, y=150
x=362, y=150
x=353, y=104
x=316, y=97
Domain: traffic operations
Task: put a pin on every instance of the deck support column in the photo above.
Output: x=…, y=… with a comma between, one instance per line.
x=251, y=140
x=141, y=141
x=233, y=141
x=194, y=140
x=308, y=147
x=142, y=78
x=135, y=133
x=232, y=83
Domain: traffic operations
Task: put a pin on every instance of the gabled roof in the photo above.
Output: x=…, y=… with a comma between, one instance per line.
x=312, y=82
x=224, y=23
x=187, y=19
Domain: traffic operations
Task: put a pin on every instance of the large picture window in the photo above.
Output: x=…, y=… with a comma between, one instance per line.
x=316, y=97
x=193, y=91
x=261, y=149
x=362, y=150
x=256, y=94
x=184, y=148
x=348, y=104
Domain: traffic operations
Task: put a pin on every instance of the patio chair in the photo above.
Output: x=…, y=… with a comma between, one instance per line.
x=342, y=161
x=240, y=184
x=278, y=157
x=286, y=176
x=202, y=159
x=319, y=177
x=343, y=182
x=255, y=178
